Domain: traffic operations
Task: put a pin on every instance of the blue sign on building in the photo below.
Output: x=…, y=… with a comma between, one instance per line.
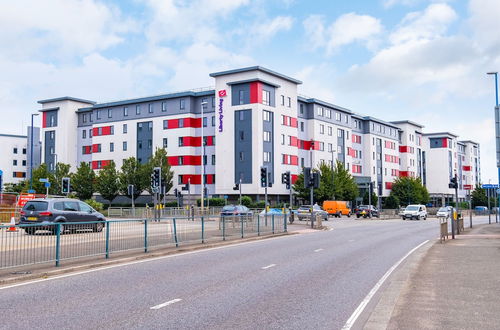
x=490, y=186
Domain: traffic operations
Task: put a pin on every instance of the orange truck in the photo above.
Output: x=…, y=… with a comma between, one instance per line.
x=337, y=208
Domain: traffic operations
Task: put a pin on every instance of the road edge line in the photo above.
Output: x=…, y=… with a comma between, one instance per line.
x=361, y=307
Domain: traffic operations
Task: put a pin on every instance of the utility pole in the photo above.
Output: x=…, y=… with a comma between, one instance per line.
x=240, y=190
x=456, y=201
x=370, y=199
x=489, y=207
x=470, y=209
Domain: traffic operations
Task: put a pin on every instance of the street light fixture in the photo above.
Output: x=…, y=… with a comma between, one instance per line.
x=31, y=152
x=202, y=159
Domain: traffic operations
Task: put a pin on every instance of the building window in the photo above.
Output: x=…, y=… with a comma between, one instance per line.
x=242, y=156
x=124, y=145
x=267, y=136
x=150, y=107
x=182, y=104
x=139, y=144
x=283, y=139
x=110, y=113
x=241, y=115
x=124, y=128
x=164, y=106
x=111, y=147
x=205, y=158
x=322, y=146
x=289, y=102
x=24, y=162
x=204, y=103
x=15, y=150
x=165, y=142
x=181, y=122
x=125, y=111
x=328, y=113
x=301, y=107
x=165, y=124
x=98, y=114
x=52, y=135
x=213, y=159
x=99, y=131
x=267, y=156
x=138, y=109
x=14, y=162
x=90, y=133
x=112, y=130
x=181, y=141
x=282, y=99
x=242, y=97
x=84, y=134
x=302, y=126
x=338, y=116
x=330, y=147
x=180, y=160
x=320, y=111
x=150, y=144
x=179, y=179
x=84, y=118
x=266, y=97
x=330, y=130
x=90, y=117
x=205, y=121
x=242, y=135
x=213, y=121
x=266, y=115
x=321, y=129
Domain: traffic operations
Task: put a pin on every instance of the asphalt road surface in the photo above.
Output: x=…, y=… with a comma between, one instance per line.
x=307, y=281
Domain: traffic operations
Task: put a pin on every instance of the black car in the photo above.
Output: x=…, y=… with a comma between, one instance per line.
x=365, y=210
x=61, y=211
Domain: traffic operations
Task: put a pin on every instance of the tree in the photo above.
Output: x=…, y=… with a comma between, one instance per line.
x=344, y=184
x=133, y=172
x=410, y=191
x=159, y=159
x=62, y=171
x=391, y=202
x=479, y=197
x=337, y=184
x=41, y=172
x=14, y=187
x=374, y=198
x=107, y=183
x=83, y=181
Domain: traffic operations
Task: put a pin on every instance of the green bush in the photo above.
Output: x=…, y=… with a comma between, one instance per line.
x=95, y=204
x=212, y=202
x=246, y=200
x=259, y=205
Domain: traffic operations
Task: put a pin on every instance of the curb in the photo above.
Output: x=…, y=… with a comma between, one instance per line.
x=150, y=255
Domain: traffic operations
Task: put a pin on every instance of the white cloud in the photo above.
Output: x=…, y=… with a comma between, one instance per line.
x=59, y=27
x=433, y=22
x=484, y=22
x=347, y=29
x=267, y=30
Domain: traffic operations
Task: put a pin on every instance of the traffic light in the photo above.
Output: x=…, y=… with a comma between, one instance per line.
x=315, y=180
x=307, y=177
x=453, y=183
x=285, y=179
x=236, y=186
x=130, y=189
x=176, y=192
x=65, y=186
x=263, y=176
x=156, y=177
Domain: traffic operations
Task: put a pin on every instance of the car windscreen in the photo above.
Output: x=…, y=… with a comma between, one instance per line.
x=443, y=209
x=36, y=206
x=305, y=207
x=412, y=208
x=229, y=208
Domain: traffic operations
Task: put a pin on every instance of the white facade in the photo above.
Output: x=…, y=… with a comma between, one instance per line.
x=13, y=162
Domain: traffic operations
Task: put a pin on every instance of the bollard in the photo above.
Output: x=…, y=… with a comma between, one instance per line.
x=284, y=224
x=241, y=226
x=58, y=243
x=223, y=229
x=258, y=225
x=272, y=220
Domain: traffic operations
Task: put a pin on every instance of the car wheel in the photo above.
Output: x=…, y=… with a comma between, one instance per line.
x=349, y=215
x=30, y=230
x=97, y=228
x=357, y=216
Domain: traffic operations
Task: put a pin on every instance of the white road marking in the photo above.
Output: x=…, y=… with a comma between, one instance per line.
x=317, y=250
x=165, y=304
x=350, y=322
x=268, y=266
x=136, y=262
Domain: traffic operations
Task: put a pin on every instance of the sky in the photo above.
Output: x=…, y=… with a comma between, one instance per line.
x=420, y=60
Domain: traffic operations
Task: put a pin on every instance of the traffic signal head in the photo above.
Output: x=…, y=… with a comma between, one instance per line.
x=263, y=176
x=65, y=186
x=307, y=177
x=285, y=179
x=156, y=177
x=236, y=186
x=453, y=183
x=315, y=180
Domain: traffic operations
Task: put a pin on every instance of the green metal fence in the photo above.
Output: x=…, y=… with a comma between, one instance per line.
x=54, y=243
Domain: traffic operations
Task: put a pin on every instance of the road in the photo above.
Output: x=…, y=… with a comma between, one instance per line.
x=308, y=281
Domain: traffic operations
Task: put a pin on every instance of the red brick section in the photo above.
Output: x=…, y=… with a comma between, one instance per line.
x=87, y=150
x=196, y=178
x=187, y=160
x=294, y=178
x=187, y=122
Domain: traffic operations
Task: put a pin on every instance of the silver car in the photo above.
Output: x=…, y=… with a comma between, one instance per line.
x=304, y=212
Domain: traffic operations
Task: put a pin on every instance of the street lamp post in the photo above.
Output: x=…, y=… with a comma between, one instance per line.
x=31, y=152
x=333, y=179
x=202, y=159
x=497, y=126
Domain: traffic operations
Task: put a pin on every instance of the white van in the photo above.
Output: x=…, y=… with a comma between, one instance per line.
x=417, y=212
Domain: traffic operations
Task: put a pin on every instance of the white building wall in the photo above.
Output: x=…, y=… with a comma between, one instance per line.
x=14, y=150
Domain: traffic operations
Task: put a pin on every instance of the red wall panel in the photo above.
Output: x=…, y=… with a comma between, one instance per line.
x=44, y=119
x=256, y=92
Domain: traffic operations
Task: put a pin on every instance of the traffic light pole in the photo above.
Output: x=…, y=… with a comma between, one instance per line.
x=240, y=191
x=311, y=195
x=456, y=202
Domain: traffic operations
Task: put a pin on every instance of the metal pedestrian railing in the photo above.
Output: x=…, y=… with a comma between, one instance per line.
x=30, y=244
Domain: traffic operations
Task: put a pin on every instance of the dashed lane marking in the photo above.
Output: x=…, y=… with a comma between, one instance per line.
x=166, y=304
x=269, y=266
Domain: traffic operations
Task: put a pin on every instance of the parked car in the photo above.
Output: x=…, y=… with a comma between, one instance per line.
x=337, y=208
x=481, y=210
x=365, y=210
x=417, y=212
x=61, y=211
x=304, y=212
x=445, y=212
x=238, y=210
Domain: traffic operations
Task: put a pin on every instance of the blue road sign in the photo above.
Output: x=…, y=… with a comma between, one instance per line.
x=47, y=184
x=490, y=186
x=44, y=180
x=226, y=196
x=1, y=172
x=31, y=191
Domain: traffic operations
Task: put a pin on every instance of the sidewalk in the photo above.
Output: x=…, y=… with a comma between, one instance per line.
x=456, y=285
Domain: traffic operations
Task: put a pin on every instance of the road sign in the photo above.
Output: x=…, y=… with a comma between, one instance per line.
x=31, y=191
x=226, y=196
x=44, y=180
x=490, y=186
x=47, y=185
